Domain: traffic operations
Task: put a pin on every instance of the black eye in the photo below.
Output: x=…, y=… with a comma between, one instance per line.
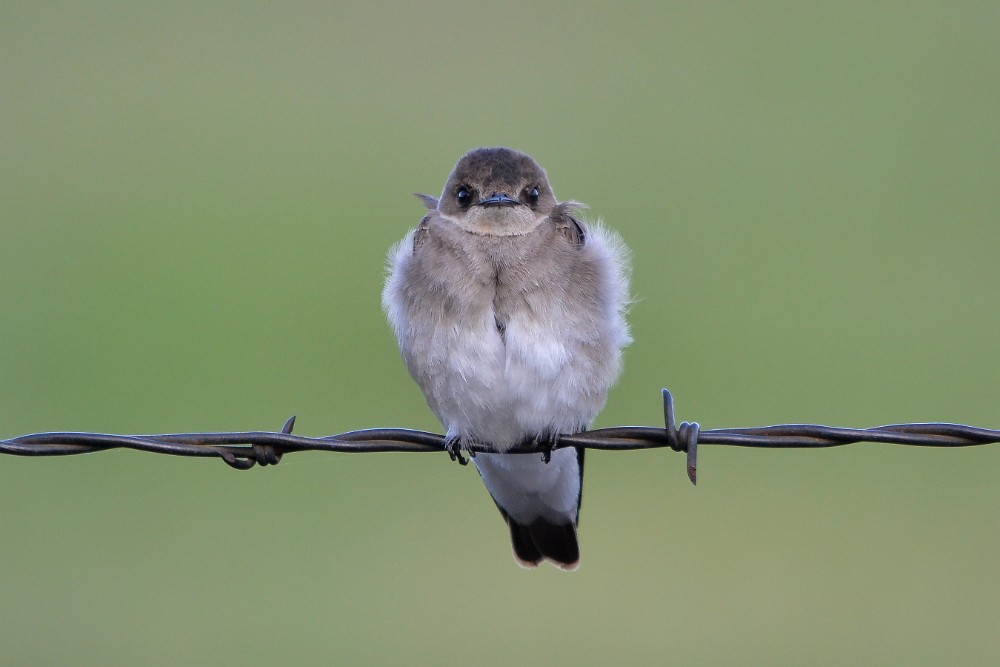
x=533, y=195
x=464, y=196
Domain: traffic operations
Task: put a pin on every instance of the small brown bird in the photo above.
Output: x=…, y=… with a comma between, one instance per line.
x=509, y=312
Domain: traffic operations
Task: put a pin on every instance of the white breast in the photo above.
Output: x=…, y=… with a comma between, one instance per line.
x=547, y=372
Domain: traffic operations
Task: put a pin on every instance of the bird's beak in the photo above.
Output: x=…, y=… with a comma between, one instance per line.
x=500, y=199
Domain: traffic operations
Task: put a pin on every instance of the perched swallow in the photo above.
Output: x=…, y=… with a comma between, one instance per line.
x=510, y=315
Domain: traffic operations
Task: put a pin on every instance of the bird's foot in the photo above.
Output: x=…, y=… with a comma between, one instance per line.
x=547, y=445
x=454, y=449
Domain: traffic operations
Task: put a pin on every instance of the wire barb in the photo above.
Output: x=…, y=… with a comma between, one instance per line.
x=243, y=451
x=683, y=439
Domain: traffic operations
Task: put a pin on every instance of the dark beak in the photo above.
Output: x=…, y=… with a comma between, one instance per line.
x=500, y=199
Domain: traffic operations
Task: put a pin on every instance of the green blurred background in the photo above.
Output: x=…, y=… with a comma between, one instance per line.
x=195, y=205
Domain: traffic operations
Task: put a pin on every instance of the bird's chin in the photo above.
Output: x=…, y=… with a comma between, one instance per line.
x=478, y=231
x=500, y=222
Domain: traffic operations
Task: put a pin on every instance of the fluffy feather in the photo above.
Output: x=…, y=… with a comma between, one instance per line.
x=513, y=325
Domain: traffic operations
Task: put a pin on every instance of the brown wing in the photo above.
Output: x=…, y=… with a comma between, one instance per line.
x=430, y=202
x=571, y=228
x=574, y=231
x=420, y=235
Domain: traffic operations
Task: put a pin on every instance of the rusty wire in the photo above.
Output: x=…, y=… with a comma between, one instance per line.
x=244, y=450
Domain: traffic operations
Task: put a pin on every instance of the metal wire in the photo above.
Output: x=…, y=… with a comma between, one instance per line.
x=245, y=450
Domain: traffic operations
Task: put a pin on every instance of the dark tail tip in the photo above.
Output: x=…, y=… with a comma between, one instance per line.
x=542, y=540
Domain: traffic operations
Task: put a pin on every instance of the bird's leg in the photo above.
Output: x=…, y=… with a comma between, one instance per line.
x=453, y=445
x=547, y=444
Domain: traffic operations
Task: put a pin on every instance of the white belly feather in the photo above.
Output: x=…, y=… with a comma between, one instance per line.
x=548, y=371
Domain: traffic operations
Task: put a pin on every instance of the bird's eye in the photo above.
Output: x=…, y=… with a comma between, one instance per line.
x=533, y=194
x=464, y=196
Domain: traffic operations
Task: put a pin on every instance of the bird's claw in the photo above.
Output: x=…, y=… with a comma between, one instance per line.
x=547, y=446
x=454, y=449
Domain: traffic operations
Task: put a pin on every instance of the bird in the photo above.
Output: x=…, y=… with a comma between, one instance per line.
x=510, y=315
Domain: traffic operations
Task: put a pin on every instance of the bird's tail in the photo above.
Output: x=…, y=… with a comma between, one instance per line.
x=543, y=540
x=540, y=501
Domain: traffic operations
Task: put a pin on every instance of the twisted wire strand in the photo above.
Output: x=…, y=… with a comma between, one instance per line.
x=244, y=450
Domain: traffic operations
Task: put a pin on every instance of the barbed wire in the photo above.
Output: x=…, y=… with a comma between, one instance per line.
x=244, y=450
